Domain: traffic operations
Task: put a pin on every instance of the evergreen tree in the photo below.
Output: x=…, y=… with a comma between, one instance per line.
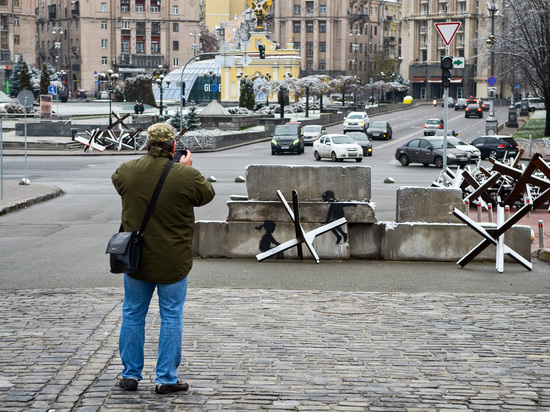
x=175, y=121
x=15, y=79
x=247, y=98
x=44, y=79
x=192, y=121
x=25, y=81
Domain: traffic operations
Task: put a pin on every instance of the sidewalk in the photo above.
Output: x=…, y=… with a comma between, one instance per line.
x=284, y=350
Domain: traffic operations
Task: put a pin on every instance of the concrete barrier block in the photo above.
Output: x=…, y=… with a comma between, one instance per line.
x=446, y=242
x=427, y=204
x=310, y=212
x=348, y=183
x=365, y=240
x=245, y=240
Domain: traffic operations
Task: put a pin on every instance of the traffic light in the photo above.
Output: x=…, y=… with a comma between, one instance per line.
x=446, y=67
x=261, y=48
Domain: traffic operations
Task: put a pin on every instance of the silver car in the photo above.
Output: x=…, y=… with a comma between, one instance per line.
x=312, y=132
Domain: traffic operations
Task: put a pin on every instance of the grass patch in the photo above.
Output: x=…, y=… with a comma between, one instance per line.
x=533, y=127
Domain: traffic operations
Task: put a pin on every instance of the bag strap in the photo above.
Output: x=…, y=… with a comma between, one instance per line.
x=155, y=196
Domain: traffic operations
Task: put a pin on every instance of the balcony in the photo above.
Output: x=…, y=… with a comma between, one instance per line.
x=141, y=60
x=75, y=50
x=357, y=16
x=75, y=12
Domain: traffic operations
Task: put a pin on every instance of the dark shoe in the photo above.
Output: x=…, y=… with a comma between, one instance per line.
x=176, y=387
x=128, y=384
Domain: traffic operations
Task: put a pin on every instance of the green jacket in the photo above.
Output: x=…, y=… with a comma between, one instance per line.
x=167, y=255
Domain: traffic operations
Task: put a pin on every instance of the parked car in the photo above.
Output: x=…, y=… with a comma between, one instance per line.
x=485, y=106
x=288, y=138
x=450, y=102
x=356, y=121
x=432, y=125
x=473, y=109
x=429, y=150
x=312, y=132
x=475, y=153
x=337, y=147
x=362, y=140
x=461, y=104
x=379, y=130
x=496, y=146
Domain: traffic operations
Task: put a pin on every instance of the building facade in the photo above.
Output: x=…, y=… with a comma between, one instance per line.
x=17, y=35
x=340, y=37
x=423, y=47
x=217, y=12
x=84, y=38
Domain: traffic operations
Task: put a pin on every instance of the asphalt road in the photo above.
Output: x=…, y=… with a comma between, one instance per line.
x=61, y=242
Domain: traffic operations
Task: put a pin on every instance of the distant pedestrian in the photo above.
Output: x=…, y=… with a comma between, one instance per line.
x=167, y=254
x=136, y=107
x=141, y=108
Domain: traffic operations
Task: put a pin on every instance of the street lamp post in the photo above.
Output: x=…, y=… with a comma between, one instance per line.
x=195, y=33
x=354, y=35
x=57, y=30
x=111, y=79
x=491, y=122
x=159, y=74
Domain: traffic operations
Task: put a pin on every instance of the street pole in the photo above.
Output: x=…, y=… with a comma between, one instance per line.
x=491, y=122
x=182, y=84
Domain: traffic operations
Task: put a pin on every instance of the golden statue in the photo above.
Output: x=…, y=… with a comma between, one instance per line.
x=260, y=7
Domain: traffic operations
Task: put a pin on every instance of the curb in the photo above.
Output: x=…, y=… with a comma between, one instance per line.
x=55, y=191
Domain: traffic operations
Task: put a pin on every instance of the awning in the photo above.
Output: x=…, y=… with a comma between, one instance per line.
x=437, y=79
x=418, y=80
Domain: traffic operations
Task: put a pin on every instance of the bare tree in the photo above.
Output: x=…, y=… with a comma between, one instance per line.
x=345, y=84
x=524, y=45
x=309, y=84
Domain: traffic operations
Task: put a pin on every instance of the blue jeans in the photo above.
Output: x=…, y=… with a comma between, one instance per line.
x=137, y=296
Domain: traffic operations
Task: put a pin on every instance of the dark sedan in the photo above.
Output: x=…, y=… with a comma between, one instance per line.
x=461, y=104
x=429, y=150
x=379, y=130
x=473, y=109
x=496, y=146
x=362, y=140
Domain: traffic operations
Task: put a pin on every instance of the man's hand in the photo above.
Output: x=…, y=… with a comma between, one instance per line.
x=187, y=159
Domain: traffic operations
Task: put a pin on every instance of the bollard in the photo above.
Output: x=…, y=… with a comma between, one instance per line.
x=479, y=212
x=528, y=201
x=506, y=212
x=467, y=204
x=490, y=212
x=541, y=234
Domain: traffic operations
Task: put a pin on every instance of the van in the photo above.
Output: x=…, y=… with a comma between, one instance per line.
x=535, y=103
x=288, y=138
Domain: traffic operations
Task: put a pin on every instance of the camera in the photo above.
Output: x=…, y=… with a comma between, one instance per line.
x=178, y=154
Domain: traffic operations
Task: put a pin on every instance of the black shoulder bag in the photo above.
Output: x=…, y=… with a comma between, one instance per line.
x=125, y=247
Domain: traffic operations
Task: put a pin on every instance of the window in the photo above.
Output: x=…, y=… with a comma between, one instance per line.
x=16, y=39
x=155, y=42
x=104, y=61
x=139, y=8
x=15, y=3
x=297, y=27
x=323, y=9
x=297, y=45
x=124, y=5
x=309, y=7
x=155, y=7
x=309, y=48
x=176, y=62
x=103, y=6
x=297, y=9
x=140, y=44
x=309, y=65
x=103, y=25
x=16, y=21
x=175, y=10
x=322, y=47
x=103, y=43
x=309, y=26
x=175, y=27
x=126, y=25
x=322, y=65
x=175, y=45
x=155, y=27
x=322, y=27
x=125, y=45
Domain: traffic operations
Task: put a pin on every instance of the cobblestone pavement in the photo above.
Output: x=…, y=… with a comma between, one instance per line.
x=277, y=350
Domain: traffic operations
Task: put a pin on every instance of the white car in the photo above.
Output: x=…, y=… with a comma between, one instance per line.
x=356, y=122
x=337, y=147
x=475, y=153
x=312, y=132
